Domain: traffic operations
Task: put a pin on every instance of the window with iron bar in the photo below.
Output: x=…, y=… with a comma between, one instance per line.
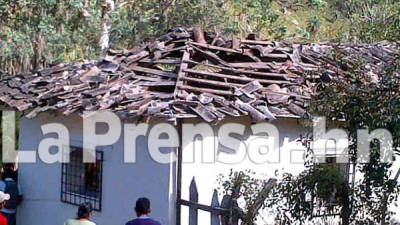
x=320, y=209
x=82, y=182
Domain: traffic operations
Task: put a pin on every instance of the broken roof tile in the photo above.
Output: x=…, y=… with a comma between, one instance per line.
x=187, y=73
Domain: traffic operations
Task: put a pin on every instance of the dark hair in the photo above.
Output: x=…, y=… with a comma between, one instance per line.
x=142, y=206
x=84, y=210
x=9, y=173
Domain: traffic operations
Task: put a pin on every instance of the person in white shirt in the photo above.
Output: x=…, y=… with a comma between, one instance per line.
x=85, y=212
x=10, y=186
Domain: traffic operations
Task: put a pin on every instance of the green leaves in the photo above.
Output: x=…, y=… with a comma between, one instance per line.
x=313, y=23
x=248, y=193
x=364, y=104
x=73, y=28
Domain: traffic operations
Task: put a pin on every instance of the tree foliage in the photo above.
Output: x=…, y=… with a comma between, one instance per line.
x=353, y=102
x=34, y=34
x=365, y=102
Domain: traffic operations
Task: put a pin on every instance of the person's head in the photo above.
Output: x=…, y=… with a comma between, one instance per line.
x=8, y=173
x=85, y=211
x=142, y=207
x=3, y=199
x=9, y=166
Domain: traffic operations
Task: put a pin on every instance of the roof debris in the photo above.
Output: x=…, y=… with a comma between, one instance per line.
x=192, y=73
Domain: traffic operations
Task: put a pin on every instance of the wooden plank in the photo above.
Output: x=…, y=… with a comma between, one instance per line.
x=155, y=79
x=255, y=42
x=249, y=54
x=153, y=71
x=219, y=210
x=156, y=45
x=215, y=203
x=198, y=34
x=268, y=91
x=211, y=55
x=193, y=197
x=134, y=58
x=267, y=74
x=157, y=83
x=234, y=77
x=161, y=61
x=267, y=52
x=252, y=65
x=181, y=73
x=275, y=56
x=206, y=90
x=212, y=82
x=235, y=43
x=260, y=199
x=225, y=204
x=179, y=175
x=213, y=47
x=173, y=50
x=215, y=38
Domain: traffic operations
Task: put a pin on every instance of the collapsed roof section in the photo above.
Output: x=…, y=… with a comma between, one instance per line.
x=190, y=73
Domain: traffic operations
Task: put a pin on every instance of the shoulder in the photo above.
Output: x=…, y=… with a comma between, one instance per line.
x=71, y=222
x=68, y=222
x=155, y=222
x=131, y=222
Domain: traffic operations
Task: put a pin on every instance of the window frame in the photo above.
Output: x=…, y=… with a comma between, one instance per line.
x=73, y=198
x=349, y=173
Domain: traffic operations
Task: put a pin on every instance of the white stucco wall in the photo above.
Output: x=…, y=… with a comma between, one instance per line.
x=122, y=183
x=290, y=159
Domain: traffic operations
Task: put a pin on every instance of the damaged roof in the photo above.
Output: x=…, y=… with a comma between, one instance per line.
x=191, y=73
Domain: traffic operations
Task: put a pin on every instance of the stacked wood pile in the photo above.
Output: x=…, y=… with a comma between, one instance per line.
x=189, y=73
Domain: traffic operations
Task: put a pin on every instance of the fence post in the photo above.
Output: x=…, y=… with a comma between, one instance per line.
x=215, y=204
x=225, y=204
x=193, y=197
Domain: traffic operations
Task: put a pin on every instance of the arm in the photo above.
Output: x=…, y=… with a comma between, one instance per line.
x=2, y=186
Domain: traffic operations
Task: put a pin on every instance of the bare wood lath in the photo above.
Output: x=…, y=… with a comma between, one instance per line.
x=191, y=73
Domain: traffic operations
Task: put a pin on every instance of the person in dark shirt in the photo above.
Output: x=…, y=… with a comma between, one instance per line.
x=10, y=185
x=143, y=210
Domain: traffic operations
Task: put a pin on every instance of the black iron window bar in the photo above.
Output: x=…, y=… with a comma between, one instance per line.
x=82, y=182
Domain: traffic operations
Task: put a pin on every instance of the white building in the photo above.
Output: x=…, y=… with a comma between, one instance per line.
x=185, y=77
x=50, y=200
